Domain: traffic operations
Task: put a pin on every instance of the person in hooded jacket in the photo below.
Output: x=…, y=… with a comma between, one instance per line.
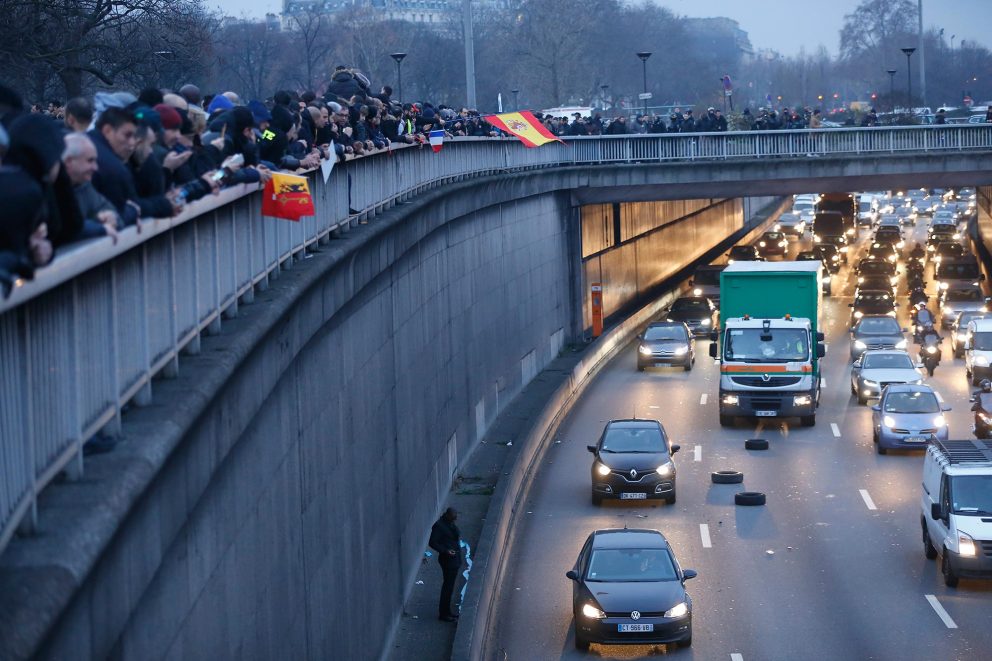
x=24, y=245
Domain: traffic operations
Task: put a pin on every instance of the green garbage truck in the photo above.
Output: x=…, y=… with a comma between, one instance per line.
x=769, y=342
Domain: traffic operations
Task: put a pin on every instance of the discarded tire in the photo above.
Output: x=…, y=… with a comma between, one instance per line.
x=756, y=444
x=727, y=477
x=749, y=498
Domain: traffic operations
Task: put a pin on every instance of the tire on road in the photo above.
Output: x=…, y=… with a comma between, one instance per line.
x=756, y=444
x=726, y=477
x=749, y=498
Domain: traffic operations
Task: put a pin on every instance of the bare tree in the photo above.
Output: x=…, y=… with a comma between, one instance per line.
x=876, y=29
x=312, y=37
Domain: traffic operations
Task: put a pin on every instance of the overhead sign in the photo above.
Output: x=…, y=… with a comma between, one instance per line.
x=644, y=96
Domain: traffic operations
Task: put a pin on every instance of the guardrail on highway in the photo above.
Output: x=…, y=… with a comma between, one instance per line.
x=86, y=337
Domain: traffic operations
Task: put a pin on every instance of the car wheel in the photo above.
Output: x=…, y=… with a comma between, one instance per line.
x=687, y=367
x=862, y=399
x=640, y=368
x=929, y=550
x=950, y=578
x=854, y=391
x=580, y=642
x=726, y=477
x=881, y=450
x=807, y=420
x=597, y=500
x=749, y=498
x=974, y=379
x=726, y=420
x=670, y=499
x=958, y=354
x=874, y=435
x=687, y=642
x=756, y=444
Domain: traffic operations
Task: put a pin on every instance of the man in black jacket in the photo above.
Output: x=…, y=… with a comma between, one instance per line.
x=446, y=541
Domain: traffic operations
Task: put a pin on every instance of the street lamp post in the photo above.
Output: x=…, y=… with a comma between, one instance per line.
x=516, y=106
x=399, y=74
x=604, y=87
x=909, y=78
x=644, y=55
x=892, y=88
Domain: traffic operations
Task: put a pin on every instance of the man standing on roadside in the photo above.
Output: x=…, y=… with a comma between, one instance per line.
x=446, y=541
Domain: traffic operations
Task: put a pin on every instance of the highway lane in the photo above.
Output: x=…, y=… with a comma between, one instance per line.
x=814, y=574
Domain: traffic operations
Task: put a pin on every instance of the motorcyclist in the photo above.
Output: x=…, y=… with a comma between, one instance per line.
x=918, y=296
x=982, y=407
x=930, y=347
x=917, y=253
x=923, y=318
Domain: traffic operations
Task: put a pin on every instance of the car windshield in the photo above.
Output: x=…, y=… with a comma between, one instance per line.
x=971, y=494
x=779, y=345
x=964, y=295
x=700, y=305
x=911, y=402
x=865, y=207
x=981, y=341
x=969, y=315
x=634, y=439
x=664, y=333
x=887, y=237
x=742, y=251
x=835, y=240
x=707, y=277
x=887, y=361
x=879, y=325
x=957, y=270
x=773, y=236
x=622, y=565
x=948, y=248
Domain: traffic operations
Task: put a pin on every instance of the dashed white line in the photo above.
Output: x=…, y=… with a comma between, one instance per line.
x=736, y=657
x=703, y=398
x=823, y=382
x=835, y=429
x=941, y=613
x=704, y=534
x=697, y=453
x=865, y=496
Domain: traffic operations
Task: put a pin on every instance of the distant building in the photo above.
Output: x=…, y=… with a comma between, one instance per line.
x=437, y=12
x=719, y=37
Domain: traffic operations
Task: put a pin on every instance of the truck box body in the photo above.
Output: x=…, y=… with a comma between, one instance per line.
x=772, y=310
x=843, y=203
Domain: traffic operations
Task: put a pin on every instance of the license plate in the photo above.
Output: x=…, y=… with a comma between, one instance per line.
x=915, y=439
x=635, y=628
x=766, y=414
x=626, y=495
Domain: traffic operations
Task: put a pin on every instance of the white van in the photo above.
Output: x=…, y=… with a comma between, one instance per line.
x=978, y=350
x=956, y=505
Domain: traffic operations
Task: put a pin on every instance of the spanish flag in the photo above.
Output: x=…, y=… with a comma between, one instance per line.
x=287, y=196
x=523, y=125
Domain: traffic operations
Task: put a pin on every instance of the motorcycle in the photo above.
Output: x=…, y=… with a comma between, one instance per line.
x=982, y=406
x=918, y=295
x=930, y=351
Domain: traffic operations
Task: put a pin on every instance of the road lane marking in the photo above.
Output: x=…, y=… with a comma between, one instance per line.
x=941, y=613
x=736, y=657
x=835, y=429
x=702, y=398
x=704, y=533
x=823, y=382
x=697, y=453
x=865, y=496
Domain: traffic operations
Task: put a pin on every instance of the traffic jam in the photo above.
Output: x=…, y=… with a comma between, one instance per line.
x=847, y=348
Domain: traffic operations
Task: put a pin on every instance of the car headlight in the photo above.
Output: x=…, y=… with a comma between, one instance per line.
x=860, y=279
x=826, y=279
x=981, y=361
x=891, y=313
x=889, y=421
x=665, y=470
x=894, y=279
x=761, y=244
x=644, y=350
x=901, y=245
x=939, y=421
x=962, y=337
x=957, y=236
x=869, y=382
x=602, y=468
x=974, y=284
x=730, y=261
x=858, y=314
x=697, y=292
x=943, y=285
x=834, y=258
x=893, y=258
x=858, y=344
x=705, y=322
x=592, y=612
x=681, y=351
x=983, y=309
x=843, y=248
x=731, y=400
x=669, y=319
x=966, y=545
x=931, y=350
x=802, y=400
x=777, y=227
x=678, y=610
x=901, y=344
x=816, y=239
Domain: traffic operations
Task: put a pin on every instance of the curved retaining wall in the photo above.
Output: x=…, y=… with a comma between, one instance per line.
x=274, y=500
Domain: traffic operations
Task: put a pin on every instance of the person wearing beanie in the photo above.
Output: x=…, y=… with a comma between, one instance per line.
x=191, y=93
x=260, y=113
x=220, y=103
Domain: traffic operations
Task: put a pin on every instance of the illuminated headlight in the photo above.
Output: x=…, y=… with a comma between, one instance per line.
x=858, y=344
x=860, y=280
x=761, y=244
x=705, y=322
x=777, y=227
x=901, y=245
x=644, y=350
x=816, y=239
x=966, y=545
x=957, y=236
x=937, y=258
x=962, y=337
x=889, y=421
x=679, y=610
x=931, y=248
x=974, y=284
x=666, y=469
x=834, y=258
x=870, y=383
x=939, y=421
x=892, y=258
x=592, y=612
x=602, y=469
x=850, y=232
x=669, y=319
x=697, y=292
x=901, y=344
x=802, y=400
x=931, y=350
x=681, y=351
x=826, y=279
x=730, y=261
x=983, y=309
x=985, y=418
x=981, y=361
x=843, y=248
x=858, y=314
x=732, y=400
x=943, y=285
x=894, y=279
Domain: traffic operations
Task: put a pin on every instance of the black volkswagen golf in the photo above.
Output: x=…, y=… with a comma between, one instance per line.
x=633, y=462
x=628, y=588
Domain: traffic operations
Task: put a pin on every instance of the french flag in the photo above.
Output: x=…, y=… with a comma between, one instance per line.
x=437, y=139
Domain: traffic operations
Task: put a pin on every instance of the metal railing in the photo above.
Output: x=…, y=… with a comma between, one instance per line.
x=86, y=337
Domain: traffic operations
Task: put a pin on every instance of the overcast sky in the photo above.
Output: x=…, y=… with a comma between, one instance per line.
x=782, y=25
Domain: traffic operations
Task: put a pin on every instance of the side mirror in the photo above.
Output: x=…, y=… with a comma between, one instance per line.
x=904, y=330
x=688, y=573
x=945, y=407
x=857, y=364
x=876, y=407
x=850, y=305
x=591, y=448
x=820, y=337
x=981, y=276
x=712, y=349
x=935, y=512
x=975, y=406
x=821, y=350
x=918, y=365
x=675, y=448
x=713, y=336
x=572, y=574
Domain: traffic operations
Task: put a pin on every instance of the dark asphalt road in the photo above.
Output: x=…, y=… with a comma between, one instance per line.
x=815, y=574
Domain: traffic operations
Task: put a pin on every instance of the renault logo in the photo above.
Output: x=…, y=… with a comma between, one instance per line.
x=765, y=378
x=633, y=473
x=635, y=615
